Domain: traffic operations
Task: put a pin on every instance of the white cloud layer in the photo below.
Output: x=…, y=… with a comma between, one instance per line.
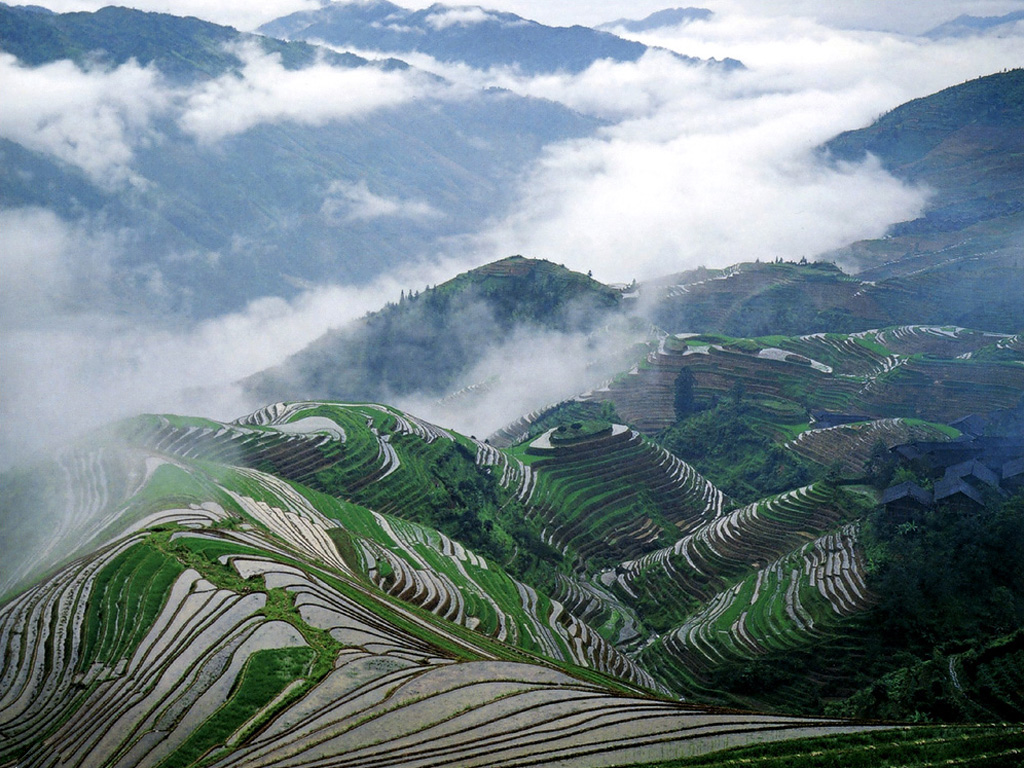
x=96, y=118
x=527, y=371
x=348, y=201
x=64, y=370
x=90, y=118
x=702, y=167
x=463, y=17
x=266, y=92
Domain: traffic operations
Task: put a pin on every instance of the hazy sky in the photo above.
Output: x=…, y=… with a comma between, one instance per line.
x=913, y=16
x=695, y=167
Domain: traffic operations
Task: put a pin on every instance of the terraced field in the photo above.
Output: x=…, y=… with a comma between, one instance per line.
x=794, y=601
x=225, y=615
x=848, y=447
x=700, y=563
x=924, y=372
x=614, y=496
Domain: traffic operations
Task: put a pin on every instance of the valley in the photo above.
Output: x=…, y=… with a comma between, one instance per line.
x=765, y=510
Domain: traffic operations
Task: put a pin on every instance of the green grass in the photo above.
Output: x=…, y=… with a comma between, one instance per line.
x=126, y=597
x=265, y=675
x=982, y=746
x=944, y=429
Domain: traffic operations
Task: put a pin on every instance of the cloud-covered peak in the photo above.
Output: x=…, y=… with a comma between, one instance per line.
x=465, y=16
x=477, y=37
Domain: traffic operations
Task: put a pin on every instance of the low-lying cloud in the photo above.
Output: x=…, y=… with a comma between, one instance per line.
x=91, y=118
x=66, y=367
x=462, y=17
x=348, y=202
x=705, y=167
x=526, y=371
x=96, y=117
x=266, y=92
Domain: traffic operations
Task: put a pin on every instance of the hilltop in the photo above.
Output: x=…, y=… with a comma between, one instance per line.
x=425, y=342
x=478, y=37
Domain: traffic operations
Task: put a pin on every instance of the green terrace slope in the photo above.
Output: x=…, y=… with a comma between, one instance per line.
x=224, y=615
x=380, y=455
x=613, y=494
x=933, y=373
x=797, y=601
x=998, y=746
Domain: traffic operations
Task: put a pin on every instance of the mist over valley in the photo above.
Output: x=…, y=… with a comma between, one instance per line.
x=580, y=384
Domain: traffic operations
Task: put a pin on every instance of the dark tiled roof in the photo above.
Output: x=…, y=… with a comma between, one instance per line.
x=907, y=490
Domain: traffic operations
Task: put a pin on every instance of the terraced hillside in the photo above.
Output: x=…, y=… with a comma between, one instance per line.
x=934, y=373
x=612, y=495
x=221, y=614
x=850, y=448
x=795, y=601
x=751, y=299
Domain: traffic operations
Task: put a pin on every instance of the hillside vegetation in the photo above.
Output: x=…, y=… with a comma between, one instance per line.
x=269, y=210
x=427, y=341
x=271, y=619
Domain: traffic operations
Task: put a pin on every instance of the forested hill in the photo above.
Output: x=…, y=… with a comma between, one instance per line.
x=425, y=341
x=966, y=145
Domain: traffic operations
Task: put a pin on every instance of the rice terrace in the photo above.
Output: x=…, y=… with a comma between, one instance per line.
x=725, y=469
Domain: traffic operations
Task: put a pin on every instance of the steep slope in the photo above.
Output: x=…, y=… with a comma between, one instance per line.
x=426, y=342
x=261, y=631
x=964, y=144
x=215, y=214
x=478, y=37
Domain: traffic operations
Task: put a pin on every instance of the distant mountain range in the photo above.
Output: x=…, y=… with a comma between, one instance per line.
x=469, y=34
x=286, y=203
x=669, y=17
x=967, y=26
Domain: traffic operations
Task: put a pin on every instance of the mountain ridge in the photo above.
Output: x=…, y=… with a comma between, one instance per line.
x=431, y=337
x=963, y=143
x=216, y=224
x=473, y=35
x=667, y=17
